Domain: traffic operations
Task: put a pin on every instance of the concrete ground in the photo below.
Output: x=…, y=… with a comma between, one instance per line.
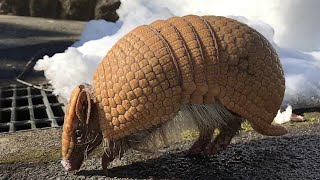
x=36, y=155
x=23, y=38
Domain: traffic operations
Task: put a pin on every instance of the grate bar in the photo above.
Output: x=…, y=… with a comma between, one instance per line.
x=13, y=111
x=31, y=109
x=21, y=97
x=34, y=106
x=0, y=104
x=28, y=108
x=48, y=109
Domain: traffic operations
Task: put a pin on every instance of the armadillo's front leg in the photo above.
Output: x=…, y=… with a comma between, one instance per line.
x=224, y=138
x=112, y=149
x=106, y=159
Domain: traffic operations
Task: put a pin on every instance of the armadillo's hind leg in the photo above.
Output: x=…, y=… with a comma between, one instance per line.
x=205, y=117
x=223, y=139
x=205, y=136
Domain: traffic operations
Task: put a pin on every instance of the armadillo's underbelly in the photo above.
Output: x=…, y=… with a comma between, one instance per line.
x=155, y=68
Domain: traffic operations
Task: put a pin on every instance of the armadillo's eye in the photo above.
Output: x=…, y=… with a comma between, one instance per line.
x=78, y=134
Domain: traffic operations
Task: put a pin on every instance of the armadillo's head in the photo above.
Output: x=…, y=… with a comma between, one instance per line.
x=81, y=133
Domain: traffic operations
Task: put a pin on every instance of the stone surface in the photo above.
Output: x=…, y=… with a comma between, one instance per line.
x=77, y=9
x=16, y=7
x=45, y=8
x=106, y=9
x=63, y=9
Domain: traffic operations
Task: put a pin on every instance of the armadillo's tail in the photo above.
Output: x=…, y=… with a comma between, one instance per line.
x=269, y=129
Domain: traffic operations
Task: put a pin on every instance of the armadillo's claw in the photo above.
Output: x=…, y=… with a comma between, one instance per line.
x=196, y=148
x=222, y=141
x=199, y=146
x=105, y=171
x=218, y=145
x=105, y=163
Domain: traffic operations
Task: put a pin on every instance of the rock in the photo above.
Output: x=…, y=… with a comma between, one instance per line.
x=20, y=7
x=16, y=7
x=45, y=8
x=77, y=9
x=106, y=9
x=83, y=10
x=4, y=7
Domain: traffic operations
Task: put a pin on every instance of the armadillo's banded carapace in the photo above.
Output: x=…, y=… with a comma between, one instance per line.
x=153, y=70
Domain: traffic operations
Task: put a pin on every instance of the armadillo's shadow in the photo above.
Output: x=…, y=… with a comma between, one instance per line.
x=269, y=158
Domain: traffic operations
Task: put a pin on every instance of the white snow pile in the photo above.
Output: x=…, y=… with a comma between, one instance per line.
x=283, y=117
x=291, y=26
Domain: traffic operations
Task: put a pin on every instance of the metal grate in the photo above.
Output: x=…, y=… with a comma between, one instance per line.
x=27, y=108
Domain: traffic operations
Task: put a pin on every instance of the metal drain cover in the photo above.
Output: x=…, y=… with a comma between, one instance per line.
x=27, y=108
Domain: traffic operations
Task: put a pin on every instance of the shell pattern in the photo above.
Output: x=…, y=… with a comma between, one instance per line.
x=155, y=69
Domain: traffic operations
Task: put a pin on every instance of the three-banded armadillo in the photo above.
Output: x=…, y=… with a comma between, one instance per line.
x=218, y=69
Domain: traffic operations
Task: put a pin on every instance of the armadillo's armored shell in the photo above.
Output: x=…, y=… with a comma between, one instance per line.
x=155, y=68
x=136, y=84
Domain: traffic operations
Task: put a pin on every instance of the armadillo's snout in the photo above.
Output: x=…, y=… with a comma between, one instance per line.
x=68, y=166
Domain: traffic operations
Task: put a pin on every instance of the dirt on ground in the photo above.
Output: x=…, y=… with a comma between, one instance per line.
x=36, y=155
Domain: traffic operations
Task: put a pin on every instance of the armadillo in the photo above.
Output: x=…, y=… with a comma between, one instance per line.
x=219, y=70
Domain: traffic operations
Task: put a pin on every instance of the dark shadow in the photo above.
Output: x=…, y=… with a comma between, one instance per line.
x=306, y=110
x=25, y=53
x=8, y=30
x=19, y=56
x=90, y=173
x=8, y=72
x=271, y=158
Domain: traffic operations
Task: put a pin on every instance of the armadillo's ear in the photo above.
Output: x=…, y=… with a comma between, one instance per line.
x=83, y=107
